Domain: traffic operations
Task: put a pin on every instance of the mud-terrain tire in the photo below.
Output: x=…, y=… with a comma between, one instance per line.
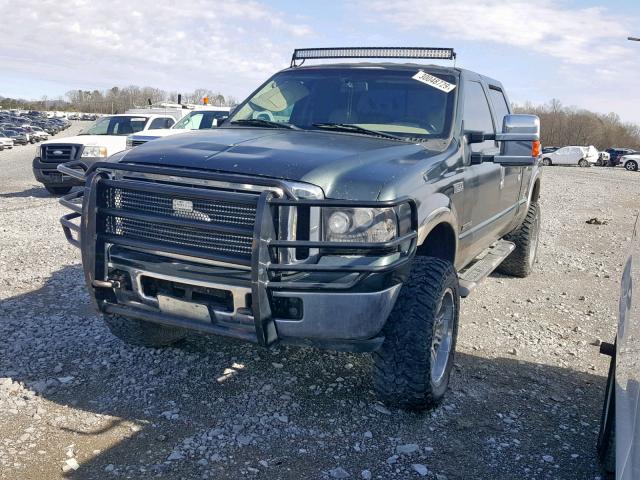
x=406, y=373
x=607, y=434
x=520, y=262
x=141, y=333
x=546, y=162
x=57, y=190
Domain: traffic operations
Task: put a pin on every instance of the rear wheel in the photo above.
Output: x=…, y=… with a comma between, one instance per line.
x=141, y=333
x=413, y=365
x=583, y=163
x=520, y=262
x=57, y=190
x=631, y=165
x=546, y=161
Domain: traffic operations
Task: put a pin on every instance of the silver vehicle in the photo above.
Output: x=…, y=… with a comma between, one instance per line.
x=618, y=441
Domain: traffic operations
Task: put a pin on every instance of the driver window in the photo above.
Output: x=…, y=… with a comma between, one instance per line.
x=477, y=115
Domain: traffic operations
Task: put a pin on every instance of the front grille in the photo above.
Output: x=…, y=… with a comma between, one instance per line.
x=229, y=213
x=225, y=244
x=58, y=153
x=156, y=206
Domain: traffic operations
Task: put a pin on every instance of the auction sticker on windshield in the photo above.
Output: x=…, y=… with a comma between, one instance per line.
x=435, y=82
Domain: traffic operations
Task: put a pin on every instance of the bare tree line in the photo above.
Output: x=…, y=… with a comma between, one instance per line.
x=561, y=125
x=116, y=99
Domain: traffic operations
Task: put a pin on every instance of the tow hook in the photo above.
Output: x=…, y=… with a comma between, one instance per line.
x=106, y=283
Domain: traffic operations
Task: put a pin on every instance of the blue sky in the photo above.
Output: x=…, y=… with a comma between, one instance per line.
x=575, y=51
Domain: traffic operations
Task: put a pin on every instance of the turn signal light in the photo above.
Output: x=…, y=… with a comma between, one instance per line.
x=535, y=148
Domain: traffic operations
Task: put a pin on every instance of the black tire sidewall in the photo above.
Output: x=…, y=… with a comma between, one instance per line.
x=57, y=190
x=403, y=362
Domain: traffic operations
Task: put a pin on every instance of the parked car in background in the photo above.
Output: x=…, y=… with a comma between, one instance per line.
x=39, y=132
x=572, y=155
x=30, y=138
x=5, y=141
x=200, y=119
x=18, y=138
x=630, y=162
x=619, y=437
x=615, y=154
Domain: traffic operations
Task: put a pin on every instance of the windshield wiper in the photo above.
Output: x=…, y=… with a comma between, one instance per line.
x=258, y=122
x=348, y=127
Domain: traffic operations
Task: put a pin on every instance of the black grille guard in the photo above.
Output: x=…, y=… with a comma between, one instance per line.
x=266, y=270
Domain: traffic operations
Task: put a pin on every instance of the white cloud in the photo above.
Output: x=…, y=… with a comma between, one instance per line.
x=574, y=35
x=229, y=46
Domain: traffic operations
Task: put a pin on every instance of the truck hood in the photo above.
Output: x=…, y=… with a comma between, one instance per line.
x=345, y=166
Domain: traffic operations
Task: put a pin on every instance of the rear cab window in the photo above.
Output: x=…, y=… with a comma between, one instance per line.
x=500, y=105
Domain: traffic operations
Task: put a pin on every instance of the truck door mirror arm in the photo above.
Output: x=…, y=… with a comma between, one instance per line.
x=478, y=136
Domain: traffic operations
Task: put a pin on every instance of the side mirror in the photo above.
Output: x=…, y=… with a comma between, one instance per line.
x=520, y=140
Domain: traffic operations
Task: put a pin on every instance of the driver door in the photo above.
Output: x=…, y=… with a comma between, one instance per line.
x=481, y=198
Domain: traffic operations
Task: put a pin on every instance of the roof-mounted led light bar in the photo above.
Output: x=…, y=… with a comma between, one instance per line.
x=369, y=52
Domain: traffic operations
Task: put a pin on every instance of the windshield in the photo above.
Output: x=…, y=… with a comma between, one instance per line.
x=200, y=120
x=381, y=100
x=121, y=125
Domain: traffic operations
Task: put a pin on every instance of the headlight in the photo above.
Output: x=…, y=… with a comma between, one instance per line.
x=93, y=151
x=372, y=225
x=129, y=143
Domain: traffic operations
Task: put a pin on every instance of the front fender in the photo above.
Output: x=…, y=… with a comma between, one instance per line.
x=436, y=210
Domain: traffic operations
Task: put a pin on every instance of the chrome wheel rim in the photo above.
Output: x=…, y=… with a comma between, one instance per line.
x=442, y=340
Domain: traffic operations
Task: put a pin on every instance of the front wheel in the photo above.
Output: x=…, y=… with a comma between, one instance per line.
x=520, y=262
x=546, y=162
x=631, y=165
x=413, y=365
x=583, y=163
x=57, y=190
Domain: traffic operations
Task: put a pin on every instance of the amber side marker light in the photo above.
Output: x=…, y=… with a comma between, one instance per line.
x=535, y=148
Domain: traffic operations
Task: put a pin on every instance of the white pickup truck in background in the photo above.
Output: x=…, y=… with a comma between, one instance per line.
x=202, y=117
x=103, y=138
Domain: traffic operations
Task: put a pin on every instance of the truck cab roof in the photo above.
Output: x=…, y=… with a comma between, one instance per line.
x=455, y=71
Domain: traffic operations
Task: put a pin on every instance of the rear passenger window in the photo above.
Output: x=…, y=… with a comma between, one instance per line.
x=477, y=115
x=500, y=106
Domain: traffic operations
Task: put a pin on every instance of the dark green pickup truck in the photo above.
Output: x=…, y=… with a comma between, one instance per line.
x=344, y=206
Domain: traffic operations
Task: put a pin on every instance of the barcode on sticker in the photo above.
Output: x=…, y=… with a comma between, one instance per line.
x=435, y=82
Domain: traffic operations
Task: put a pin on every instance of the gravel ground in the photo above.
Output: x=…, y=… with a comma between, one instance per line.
x=524, y=403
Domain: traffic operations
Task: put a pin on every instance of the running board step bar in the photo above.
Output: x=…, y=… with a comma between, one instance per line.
x=482, y=266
